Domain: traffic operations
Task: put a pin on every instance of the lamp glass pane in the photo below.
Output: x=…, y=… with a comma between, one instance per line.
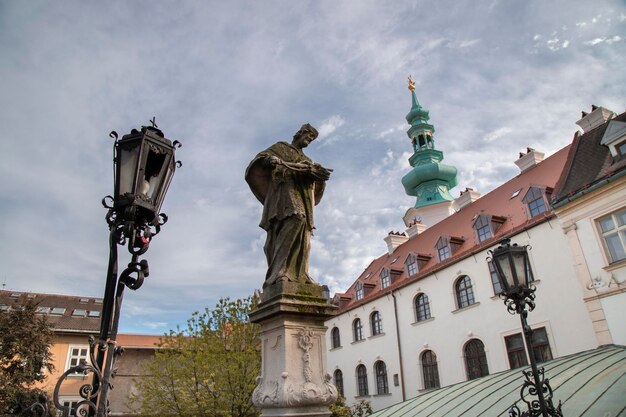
x=127, y=168
x=504, y=269
x=519, y=261
x=169, y=173
x=153, y=174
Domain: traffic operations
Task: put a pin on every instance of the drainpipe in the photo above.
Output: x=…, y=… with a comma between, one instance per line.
x=395, y=311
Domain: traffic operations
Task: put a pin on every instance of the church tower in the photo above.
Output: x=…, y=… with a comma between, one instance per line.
x=429, y=181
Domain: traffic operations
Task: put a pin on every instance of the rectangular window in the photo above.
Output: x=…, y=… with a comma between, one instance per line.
x=516, y=348
x=385, y=281
x=72, y=406
x=43, y=310
x=76, y=355
x=79, y=312
x=484, y=233
x=444, y=253
x=516, y=351
x=93, y=313
x=58, y=311
x=613, y=229
x=495, y=282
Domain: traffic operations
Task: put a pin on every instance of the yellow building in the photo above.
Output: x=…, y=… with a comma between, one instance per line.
x=73, y=320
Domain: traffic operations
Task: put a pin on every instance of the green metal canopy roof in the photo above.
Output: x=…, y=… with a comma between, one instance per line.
x=590, y=383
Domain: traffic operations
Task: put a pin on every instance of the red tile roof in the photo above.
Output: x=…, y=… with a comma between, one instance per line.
x=498, y=203
x=588, y=163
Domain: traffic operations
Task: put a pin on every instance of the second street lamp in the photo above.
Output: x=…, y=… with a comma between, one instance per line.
x=515, y=277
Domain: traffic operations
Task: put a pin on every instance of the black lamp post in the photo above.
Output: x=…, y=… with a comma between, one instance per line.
x=144, y=165
x=515, y=276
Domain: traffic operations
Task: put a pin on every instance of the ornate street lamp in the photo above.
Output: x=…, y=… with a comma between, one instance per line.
x=144, y=165
x=515, y=276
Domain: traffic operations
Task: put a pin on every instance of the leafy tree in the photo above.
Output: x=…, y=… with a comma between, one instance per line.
x=360, y=409
x=25, y=340
x=207, y=369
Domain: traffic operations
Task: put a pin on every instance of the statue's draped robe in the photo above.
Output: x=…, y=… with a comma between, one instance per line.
x=288, y=198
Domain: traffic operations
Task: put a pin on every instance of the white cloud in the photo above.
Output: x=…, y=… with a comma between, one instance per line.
x=329, y=125
x=497, y=134
x=467, y=43
x=608, y=41
x=228, y=91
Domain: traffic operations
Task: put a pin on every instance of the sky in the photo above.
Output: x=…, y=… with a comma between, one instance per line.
x=228, y=79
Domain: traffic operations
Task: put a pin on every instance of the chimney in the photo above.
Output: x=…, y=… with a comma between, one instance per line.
x=597, y=117
x=415, y=228
x=529, y=159
x=395, y=239
x=466, y=198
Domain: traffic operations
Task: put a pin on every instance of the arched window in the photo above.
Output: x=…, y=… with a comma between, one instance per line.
x=411, y=265
x=376, y=323
x=361, y=378
x=336, y=340
x=338, y=377
x=464, y=292
x=422, y=307
x=357, y=330
x=429, y=369
x=475, y=359
x=382, y=387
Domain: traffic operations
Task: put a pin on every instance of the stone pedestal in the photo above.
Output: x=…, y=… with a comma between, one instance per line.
x=294, y=380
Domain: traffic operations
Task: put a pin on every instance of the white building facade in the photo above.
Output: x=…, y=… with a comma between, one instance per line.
x=427, y=313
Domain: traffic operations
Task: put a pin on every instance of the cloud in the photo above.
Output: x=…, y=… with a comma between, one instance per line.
x=608, y=41
x=70, y=75
x=468, y=43
x=329, y=126
x=497, y=134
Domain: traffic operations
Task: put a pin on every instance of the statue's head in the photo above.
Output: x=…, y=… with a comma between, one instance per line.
x=305, y=135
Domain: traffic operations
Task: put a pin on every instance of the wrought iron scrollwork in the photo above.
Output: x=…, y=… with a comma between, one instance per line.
x=529, y=395
x=37, y=409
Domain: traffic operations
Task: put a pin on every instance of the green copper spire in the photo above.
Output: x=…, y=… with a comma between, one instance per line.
x=429, y=180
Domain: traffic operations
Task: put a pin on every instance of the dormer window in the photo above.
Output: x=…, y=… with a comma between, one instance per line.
x=358, y=291
x=535, y=200
x=443, y=249
x=486, y=226
x=411, y=265
x=447, y=246
x=385, y=278
x=483, y=228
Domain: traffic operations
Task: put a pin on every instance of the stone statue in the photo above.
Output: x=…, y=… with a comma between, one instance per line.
x=288, y=184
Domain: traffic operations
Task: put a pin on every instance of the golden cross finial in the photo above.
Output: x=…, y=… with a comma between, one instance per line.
x=411, y=83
